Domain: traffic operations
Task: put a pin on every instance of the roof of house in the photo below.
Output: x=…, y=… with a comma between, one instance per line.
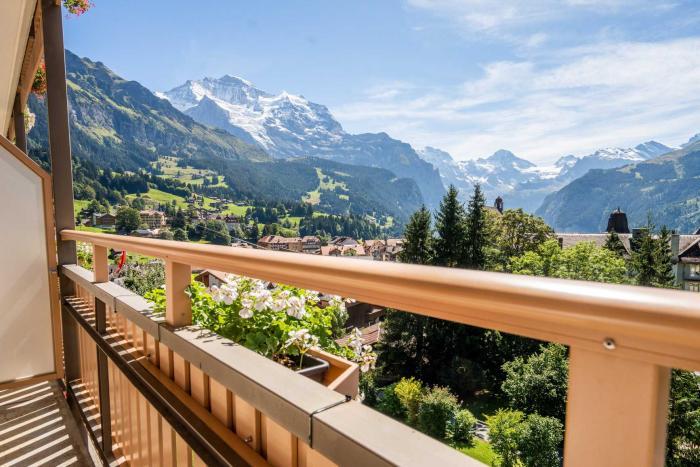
x=370, y=335
x=212, y=272
x=571, y=239
x=343, y=250
x=310, y=238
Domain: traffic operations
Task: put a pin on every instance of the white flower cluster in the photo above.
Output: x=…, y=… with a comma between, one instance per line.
x=364, y=355
x=301, y=339
x=256, y=296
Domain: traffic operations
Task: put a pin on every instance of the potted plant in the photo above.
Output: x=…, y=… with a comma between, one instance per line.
x=77, y=7
x=278, y=321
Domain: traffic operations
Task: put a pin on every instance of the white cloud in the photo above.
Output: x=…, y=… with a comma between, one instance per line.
x=582, y=99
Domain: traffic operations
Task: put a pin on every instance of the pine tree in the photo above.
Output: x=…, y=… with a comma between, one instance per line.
x=448, y=248
x=418, y=237
x=614, y=244
x=253, y=233
x=662, y=259
x=475, y=244
x=644, y=256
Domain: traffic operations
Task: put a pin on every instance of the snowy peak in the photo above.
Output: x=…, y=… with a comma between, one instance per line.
x=692, y=140
x=652, y=149
x=282, y=124
x=566, y=161
x=504, y=158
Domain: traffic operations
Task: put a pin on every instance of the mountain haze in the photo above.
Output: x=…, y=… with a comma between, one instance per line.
x=523, y=184
x=667, y=186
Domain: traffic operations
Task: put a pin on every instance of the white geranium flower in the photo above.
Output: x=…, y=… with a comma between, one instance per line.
x=296, y=307
x=246, y=310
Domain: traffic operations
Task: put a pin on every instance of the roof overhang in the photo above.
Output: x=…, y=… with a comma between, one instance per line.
x=19, y=54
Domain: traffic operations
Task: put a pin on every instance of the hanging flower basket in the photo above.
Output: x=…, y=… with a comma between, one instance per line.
x=39, y=83
x=77, y=7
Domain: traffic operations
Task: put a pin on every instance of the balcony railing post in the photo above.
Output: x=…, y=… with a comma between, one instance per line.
x=178, y=308
x=616, y=410
x=100, y=266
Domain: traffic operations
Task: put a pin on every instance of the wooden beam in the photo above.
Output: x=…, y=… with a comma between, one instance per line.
x=20, y=134
x=59, y=133
x=616, y=411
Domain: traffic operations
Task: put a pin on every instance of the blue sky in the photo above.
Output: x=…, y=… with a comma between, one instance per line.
x=542, y=78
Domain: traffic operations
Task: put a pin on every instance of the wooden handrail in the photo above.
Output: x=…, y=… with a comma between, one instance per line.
x=654, y=325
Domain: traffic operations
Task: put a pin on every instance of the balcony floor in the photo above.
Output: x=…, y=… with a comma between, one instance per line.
x=38, y=428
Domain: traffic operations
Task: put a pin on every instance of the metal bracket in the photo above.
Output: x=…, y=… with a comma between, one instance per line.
x=323, y=409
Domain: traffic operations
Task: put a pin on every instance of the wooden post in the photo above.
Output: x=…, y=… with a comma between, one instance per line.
x=178, y=308
x=100, y=264
x=59, y=133
x=20, y=131
x=616, y=411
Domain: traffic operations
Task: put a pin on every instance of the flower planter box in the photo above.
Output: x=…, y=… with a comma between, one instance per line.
x=342, y=376
x=314, y=368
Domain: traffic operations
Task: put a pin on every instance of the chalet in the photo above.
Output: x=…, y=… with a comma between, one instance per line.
x=356, y=250
x=688, y=266
x=310, y=244
x=343, y=241
x=280, y=243
x=104, y=221
x=211, y=277
x=153, y=219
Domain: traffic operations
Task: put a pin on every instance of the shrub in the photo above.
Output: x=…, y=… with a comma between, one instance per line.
x=539, y=383
x=368, y=389
x=462, y=427
x=504, y=432
x=436, y=409
x=390, y=404
x=409, y=392
x=539, y=441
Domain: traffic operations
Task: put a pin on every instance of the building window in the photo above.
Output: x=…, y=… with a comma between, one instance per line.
x=694, y=269
x=693, y=286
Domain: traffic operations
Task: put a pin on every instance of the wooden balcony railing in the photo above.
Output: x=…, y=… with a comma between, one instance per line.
x=623, y=341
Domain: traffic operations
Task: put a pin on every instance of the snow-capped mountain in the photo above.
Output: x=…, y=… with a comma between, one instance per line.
x=524, y=184
x=287, y=125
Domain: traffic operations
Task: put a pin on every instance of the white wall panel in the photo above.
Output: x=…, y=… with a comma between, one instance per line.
x=26, y=333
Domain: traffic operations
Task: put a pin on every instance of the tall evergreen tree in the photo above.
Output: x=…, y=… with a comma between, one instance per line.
x=418, y=237
x=450, y=226
x=662, y=261
x=476, y=234
x=614, y=244
x=253, y=238
x=644, y=256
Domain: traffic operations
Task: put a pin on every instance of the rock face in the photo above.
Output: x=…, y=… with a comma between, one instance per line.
x=524, y=184
x=120, y=124
x=667, y=186
x=290, y=126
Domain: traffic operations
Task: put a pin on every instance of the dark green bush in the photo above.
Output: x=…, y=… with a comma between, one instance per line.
x=462, y=427
x=436, y=410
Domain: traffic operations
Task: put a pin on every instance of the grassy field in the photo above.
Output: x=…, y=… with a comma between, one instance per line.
x=85, y=228
x=79, y=205
x=481, y=451
x=160, y=197
x=325, y=183
x=168, y=166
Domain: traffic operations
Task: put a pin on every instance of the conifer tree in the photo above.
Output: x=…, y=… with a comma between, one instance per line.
x=476, y=240
x=450, y=226
x=644, y=256
x=418, y=238
x=614, y=244
x=662, y=259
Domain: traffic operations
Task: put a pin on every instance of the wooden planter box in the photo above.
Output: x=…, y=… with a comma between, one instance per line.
x=342, y=375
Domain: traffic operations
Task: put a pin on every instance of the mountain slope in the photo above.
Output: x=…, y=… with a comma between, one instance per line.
x=524, y=184
x=289, y=126
x=121, y=125
x=668, y=186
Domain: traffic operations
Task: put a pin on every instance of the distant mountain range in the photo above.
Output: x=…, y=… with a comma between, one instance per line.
x=668, y=187
x=121, y=125
x=523, y=184
x=290, y=126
